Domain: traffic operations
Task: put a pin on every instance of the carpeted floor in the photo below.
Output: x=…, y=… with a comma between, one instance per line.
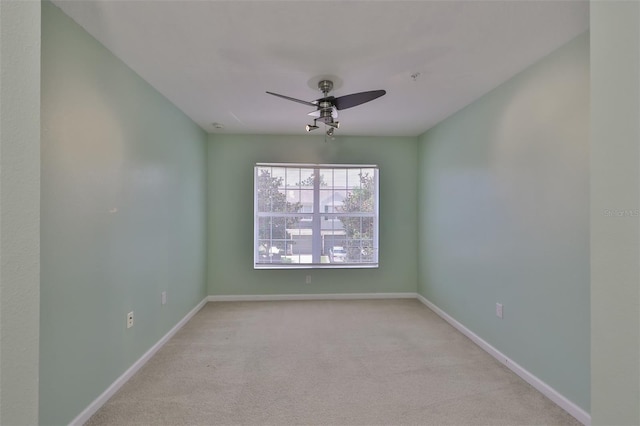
x=344, y=362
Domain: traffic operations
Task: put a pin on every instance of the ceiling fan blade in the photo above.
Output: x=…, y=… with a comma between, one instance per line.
x=292, y=99
x=355, y=99
x=326, y=99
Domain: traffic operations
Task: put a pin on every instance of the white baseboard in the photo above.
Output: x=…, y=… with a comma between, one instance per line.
x=571, y=408
x=111, y=390
x=330, y=296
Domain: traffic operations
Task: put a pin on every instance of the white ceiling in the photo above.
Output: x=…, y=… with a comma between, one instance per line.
x=216, y=59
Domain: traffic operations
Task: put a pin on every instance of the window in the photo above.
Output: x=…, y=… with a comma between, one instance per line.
x=320, y=216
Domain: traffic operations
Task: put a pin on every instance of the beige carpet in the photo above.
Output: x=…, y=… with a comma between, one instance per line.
x=347, y=362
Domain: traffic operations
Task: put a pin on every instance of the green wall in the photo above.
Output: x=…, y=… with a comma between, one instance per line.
x=123, y=217
x=19, y=211
x=504, y=217
x=231, y=161
x=502, y=192
x=615, y=238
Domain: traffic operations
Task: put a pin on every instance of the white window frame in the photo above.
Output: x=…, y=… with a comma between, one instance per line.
x=316, y=217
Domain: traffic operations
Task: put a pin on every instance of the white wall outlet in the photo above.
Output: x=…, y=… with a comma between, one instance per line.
x=130, y=319
x=308, y=279
x=499, y=310
x=163, y=297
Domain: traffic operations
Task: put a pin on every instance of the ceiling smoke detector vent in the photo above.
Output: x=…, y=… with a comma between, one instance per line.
x=217, y=126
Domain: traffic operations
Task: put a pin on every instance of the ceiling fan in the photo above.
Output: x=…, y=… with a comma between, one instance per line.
x=327, y=107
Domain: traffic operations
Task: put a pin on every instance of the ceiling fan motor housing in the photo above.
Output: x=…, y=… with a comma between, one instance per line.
x=325, y=86
x=326, y=111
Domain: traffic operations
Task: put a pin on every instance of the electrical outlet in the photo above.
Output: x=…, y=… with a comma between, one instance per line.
x=499, y=310
x=130, y=319
x=308, y=280
x=164, y=297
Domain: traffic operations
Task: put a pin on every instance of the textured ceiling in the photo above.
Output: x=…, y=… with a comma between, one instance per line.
x=216, y=59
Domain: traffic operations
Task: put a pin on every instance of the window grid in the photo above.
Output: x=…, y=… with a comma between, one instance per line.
x=315, y=216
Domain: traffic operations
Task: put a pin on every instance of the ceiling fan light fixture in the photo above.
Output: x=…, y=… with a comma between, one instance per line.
x=327, y=107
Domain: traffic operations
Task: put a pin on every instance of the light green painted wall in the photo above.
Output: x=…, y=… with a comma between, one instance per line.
x=231, y=161
x=615, y=187
x=123, y=217
x=504, y=217
x=19, y=211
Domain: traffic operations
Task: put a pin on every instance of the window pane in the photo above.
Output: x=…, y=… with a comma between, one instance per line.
x=333, y=240
x=326, y=201
x=306, y=178
x=332, y=199
x=273, y=232
x=306, y=201
x=269, y=197
x=263, y=188
x=367, y=252
x=293, y=204
x=352, y=201
x=263, y=170
x=299, y=247
x=293, y=178
x=326, y=178
x=359, y=237
x=278, y=201
x=353, y=178
x=361, y=198
x=353, y=251
x=264, y=228
x=284, y=239
x=339, y=178
x=338, y=199
x=278, y=174
x=263, y=251
x=367, y=203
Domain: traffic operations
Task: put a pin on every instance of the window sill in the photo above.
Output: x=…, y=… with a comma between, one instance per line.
x=315, y=266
